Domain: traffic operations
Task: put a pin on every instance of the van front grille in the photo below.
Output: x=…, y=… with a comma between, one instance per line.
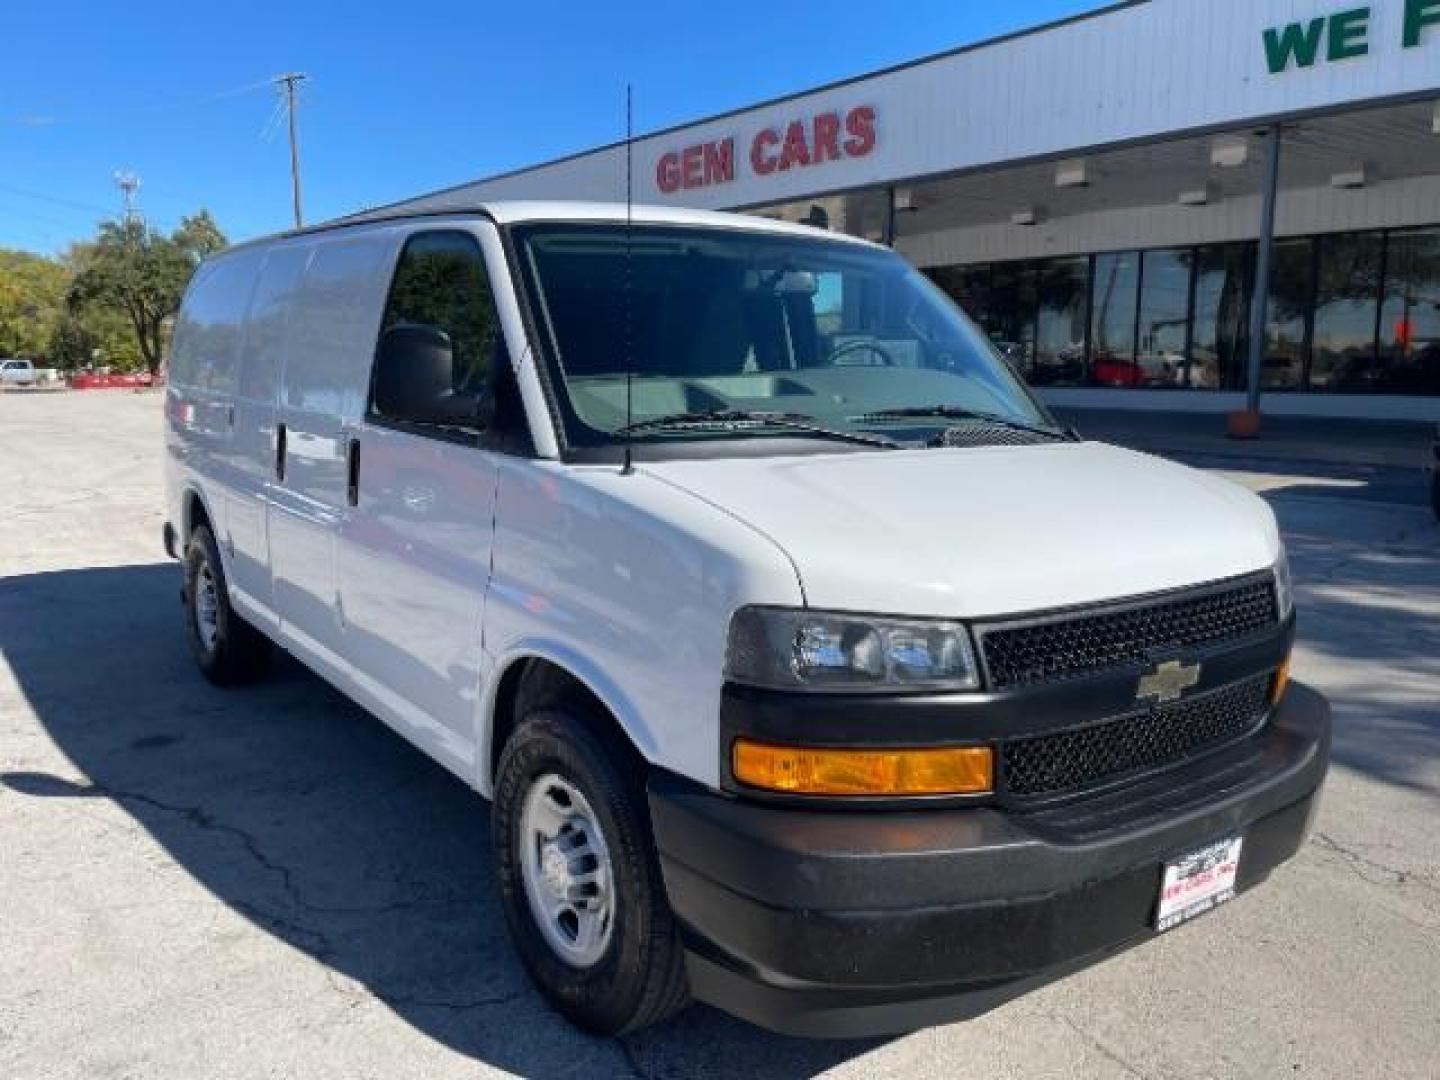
x=1147, y=739
x=1096, y=639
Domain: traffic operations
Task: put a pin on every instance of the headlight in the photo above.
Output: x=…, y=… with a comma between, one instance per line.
x=813, y=650
x=1284, y=588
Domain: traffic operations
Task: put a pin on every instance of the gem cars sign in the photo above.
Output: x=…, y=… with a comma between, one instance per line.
x=802, y=143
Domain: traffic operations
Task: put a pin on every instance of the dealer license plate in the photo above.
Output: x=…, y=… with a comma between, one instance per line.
x=1197, y=882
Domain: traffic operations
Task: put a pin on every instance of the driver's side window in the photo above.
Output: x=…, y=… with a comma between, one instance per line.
x=441, y=282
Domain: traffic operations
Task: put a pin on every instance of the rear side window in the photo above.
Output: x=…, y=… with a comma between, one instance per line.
x=329, y=340
x=206, y=351
x=441, y=282
x=270, y=322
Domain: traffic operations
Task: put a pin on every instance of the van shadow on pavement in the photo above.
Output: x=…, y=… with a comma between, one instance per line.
x=313, y=820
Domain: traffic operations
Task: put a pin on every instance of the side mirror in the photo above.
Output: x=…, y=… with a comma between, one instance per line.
x=415, y=379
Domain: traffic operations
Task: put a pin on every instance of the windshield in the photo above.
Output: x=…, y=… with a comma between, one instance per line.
x=736, y=325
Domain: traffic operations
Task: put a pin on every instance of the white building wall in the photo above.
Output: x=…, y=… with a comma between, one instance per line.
x=1137, y=72
x=1299, y=212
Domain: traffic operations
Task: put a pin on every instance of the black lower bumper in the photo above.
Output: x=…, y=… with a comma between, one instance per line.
x=830, y=923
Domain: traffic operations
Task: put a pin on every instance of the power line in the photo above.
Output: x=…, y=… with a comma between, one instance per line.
x=41, y=119
x=57, y=201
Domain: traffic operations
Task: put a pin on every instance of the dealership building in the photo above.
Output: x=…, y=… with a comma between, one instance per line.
x=1168, y=204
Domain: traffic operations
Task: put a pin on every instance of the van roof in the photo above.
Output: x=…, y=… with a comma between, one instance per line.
x=510, y=212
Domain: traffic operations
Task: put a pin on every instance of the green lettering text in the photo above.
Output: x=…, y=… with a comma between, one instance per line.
x=1348, y=34
x=1298, y=40
x=1418, y=15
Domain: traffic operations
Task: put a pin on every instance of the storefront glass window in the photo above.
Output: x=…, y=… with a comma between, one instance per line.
x=1011, y=322
x=968, y=286
x=1062, y=287
x=1292, y=290
x=1410, y=317
x=1179, y=317
x=1164, y=317
x=1112, y=320
x=1347, y=295
x=1222, y=313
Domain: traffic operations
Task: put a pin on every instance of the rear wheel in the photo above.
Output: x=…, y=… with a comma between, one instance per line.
x=579, y=879
x=227, y=649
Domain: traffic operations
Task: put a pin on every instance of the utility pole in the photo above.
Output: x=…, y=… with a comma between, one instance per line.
x=129, y=185
x=289, y=81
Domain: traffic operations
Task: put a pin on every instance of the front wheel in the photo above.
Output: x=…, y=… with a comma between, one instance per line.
x=579, y=879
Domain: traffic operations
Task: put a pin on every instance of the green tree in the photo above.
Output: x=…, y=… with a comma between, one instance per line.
x=32, y=303
x=142, y=273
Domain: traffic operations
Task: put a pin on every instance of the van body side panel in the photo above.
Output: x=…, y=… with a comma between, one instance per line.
x=204, y=373
x=414, y=555
x=329, y=346
x=629, y=584
x=257, y=401
x=414, y=562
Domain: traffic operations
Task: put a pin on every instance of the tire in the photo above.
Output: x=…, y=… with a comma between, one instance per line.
x=637, y=978
x=227, y=649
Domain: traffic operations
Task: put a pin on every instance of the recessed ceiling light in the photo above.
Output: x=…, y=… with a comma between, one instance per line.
x=1030, y=215
x=1072, y=174
x=1229, y=151
x=1197, y=196
x=1351, y=178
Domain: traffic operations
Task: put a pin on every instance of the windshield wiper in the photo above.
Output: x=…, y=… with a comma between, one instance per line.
x=737, y=418
x=957, y=412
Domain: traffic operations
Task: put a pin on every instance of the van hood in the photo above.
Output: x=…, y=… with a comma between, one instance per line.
x=982, y=532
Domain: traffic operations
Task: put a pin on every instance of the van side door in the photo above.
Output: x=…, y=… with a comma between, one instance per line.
x=205, y=364
x=253, y=449
x=329, y=344
x=416, y=540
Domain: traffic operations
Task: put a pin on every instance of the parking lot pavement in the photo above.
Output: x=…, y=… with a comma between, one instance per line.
x=267, y=883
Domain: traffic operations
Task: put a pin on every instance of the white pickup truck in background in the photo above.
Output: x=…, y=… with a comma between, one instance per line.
x=25, y=373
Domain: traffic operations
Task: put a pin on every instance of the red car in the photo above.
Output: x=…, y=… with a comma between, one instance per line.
x=91, y=380
x=1111, y=371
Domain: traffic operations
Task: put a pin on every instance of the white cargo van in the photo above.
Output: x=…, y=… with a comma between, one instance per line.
x=813, y=670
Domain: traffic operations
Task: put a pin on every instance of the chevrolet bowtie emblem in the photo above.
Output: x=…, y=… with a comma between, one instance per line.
x=1168, y=681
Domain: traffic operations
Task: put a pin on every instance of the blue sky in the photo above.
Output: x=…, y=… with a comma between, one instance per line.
x=403, y=97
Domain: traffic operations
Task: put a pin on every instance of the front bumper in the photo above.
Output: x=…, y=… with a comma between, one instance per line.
x=847, y=923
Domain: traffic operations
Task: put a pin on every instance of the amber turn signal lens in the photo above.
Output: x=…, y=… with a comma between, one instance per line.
x=1282, y=680
x=796, y=770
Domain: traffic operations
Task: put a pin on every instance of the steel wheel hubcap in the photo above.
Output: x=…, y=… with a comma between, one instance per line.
x=207, y=608
x=566, y=867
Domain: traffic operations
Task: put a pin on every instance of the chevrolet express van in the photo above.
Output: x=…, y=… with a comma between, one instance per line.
x=813, y=670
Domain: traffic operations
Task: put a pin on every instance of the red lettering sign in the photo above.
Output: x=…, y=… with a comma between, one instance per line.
x=796, y=151
x=761, y=160
x=860, y=126
x=827, y=137
x=804, y=143
x=667, y=173
x=720, y=161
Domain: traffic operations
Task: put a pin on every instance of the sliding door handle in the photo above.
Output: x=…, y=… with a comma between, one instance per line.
x=352, y=471
x=280, y=453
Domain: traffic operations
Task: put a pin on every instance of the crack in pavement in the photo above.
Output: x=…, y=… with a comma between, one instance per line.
x=1103, y=1048
x=397, y=1001
x=1356, y=862
x=202, y=819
